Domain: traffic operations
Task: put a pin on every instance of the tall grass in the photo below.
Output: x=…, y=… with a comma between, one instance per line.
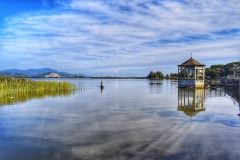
x=13, y=84
x=13, y=90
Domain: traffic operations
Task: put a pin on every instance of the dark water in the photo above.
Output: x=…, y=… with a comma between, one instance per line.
x=129, y=119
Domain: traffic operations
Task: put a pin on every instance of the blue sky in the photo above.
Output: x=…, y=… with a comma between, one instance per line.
x=117, y=37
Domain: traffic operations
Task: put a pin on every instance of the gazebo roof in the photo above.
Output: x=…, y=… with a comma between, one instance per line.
x=191, y=62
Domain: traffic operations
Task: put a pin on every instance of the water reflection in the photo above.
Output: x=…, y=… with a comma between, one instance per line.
x=218, y=92
x=235, y=94
x=129, y=122
x=155, y=86
x=160, y=86
x=19, y=96
x=101, y=88
x=191, y=101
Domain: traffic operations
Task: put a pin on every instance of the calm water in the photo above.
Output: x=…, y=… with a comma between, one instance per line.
x=129, y=119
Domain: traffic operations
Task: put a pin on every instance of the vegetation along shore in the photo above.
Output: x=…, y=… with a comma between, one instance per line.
x=14, y=90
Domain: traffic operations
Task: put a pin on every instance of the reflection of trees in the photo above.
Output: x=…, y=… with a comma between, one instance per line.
x=155, y=86
x=12, y=97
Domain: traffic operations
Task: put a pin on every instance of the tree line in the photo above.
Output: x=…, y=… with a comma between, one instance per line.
x=160, y=75
x=214, y=71
x=221, y=70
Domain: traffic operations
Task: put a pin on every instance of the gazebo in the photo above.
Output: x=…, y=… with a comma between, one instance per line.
x=191, y=73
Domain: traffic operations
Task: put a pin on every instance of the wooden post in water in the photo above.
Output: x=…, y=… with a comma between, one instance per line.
x=101, y=85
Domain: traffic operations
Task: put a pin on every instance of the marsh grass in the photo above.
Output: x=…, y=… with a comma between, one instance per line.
x=14, y=90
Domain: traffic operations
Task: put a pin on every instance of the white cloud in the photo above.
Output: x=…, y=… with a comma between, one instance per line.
x=96, y=37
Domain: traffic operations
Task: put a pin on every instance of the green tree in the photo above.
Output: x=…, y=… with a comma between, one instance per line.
x=221, y=70
x=155, y=75
x=231, y=67
x=159, y=75
x=213, y=73
x=151, y=75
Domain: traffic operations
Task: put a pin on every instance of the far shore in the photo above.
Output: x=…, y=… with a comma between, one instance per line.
x=104, y=78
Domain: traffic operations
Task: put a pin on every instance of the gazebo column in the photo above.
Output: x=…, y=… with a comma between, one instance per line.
x=195, y=73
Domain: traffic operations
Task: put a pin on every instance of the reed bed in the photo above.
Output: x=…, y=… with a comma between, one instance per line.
x=13, y=90
x=13, y=84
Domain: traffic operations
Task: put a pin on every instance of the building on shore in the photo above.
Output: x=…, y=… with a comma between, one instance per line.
x=191, y=74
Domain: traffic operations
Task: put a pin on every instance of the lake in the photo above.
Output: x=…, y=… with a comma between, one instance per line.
x=128, y=120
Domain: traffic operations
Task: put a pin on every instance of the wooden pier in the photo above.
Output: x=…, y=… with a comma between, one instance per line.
x=231, y=81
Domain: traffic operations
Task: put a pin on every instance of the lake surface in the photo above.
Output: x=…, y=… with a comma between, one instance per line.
x=127, y=120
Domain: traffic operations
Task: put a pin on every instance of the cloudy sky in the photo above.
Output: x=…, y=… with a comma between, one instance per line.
x=117, y=37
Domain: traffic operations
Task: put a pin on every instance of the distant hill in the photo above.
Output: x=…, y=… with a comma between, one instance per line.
x=29, y=72
x=58, y=75
x=13, y=74
x=39, y=73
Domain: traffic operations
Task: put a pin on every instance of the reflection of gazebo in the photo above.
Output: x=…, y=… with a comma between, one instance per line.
x=190, y=111
x=191, y=73
x=191, y=101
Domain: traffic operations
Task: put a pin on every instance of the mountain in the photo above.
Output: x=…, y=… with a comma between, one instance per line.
x=14, y=75
x=40, y=73
x=29, y=72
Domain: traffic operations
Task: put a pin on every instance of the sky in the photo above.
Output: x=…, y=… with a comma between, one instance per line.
x=117, y=37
